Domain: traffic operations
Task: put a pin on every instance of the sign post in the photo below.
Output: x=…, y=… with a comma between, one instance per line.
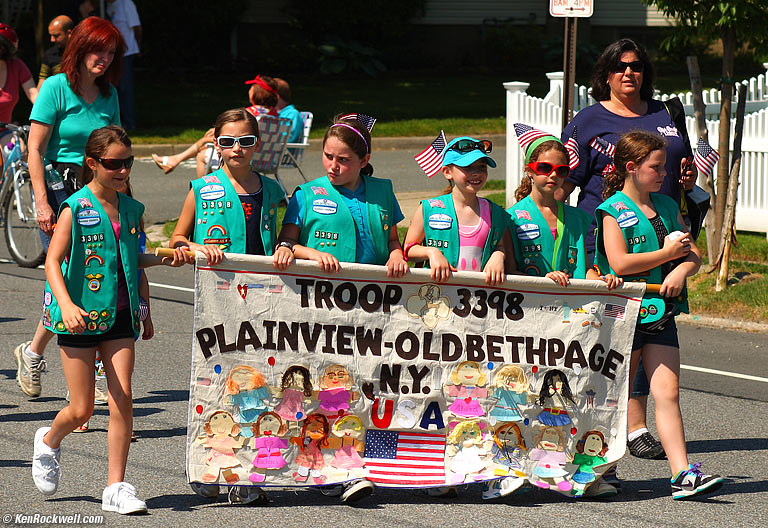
x=571, y=10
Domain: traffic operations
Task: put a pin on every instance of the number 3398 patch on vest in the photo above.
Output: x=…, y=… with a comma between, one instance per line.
x=324, y=206
x=440, y=221
x=528, y=232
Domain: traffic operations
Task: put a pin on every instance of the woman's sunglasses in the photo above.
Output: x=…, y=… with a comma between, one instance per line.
x=542, y=168
x=468, y=145
x=116, y=163
x=243, y=141
x=635, y=66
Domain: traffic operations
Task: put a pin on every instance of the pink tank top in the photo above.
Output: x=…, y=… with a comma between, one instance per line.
x=472, y=240
x=123, y=300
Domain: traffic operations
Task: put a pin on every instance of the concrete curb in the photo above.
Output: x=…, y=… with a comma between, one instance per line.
x=415, y=143
x=723, y=323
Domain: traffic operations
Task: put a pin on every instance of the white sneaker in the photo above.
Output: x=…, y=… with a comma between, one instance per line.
x=99, y=396
x=247, y=495
x=356, y=490
x=45, y=464
x=121, y=497
x=28, y=370
x=491, y=489
x=209, y=491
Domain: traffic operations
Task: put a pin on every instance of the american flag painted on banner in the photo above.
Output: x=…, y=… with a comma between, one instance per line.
x=431, y=158
x=405, y=458
x=366, y=120
x=705, y=157
x=527, y=135
x=572, y=146
x=614, y=310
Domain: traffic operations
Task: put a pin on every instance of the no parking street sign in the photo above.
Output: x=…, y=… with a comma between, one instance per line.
x=571, y=8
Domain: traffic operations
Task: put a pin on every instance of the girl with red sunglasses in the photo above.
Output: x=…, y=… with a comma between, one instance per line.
x=549, y=235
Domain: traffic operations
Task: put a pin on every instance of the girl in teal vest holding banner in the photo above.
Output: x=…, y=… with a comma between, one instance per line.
x=233, y=209
x=459, y=231
x=323, y=213
x=640, y=237
x=548, y=235
x=92, y=302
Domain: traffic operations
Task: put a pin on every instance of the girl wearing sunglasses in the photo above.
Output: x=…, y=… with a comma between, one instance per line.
x=460, y=231
x=232, y=209
x=548, y=235
x=92, y=302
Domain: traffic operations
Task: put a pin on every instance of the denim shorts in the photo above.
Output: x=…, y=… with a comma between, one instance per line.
x=668, y=337
x=122, y=329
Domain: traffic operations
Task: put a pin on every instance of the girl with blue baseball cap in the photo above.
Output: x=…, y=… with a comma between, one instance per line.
x=460, y=231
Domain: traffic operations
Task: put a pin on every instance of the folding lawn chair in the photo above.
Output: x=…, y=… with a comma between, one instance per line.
x=295, y=151
x=273, y=132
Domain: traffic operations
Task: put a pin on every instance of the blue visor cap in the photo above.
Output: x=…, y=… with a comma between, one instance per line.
x=464, y=159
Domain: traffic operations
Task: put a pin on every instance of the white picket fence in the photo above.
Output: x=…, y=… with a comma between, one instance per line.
x=752, y=205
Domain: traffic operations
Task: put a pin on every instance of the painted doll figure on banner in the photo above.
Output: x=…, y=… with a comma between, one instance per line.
x=315, y=379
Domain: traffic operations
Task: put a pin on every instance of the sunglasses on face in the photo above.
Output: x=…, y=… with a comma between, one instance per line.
x=115, y=163
x=243, y=141
x=542, y=168
x=468, y=145
x=635, y=66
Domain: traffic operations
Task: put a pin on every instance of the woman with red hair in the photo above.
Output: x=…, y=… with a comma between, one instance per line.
x=70, y=106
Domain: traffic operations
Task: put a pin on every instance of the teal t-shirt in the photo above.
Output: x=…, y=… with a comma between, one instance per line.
x=71, y=119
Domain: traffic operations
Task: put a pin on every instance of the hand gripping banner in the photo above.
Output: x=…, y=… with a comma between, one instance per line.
x=305, y=378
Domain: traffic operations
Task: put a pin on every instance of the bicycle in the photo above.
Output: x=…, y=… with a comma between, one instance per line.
x=18, y=213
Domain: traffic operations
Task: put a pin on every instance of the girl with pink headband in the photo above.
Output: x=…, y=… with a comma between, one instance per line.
x=324, y=213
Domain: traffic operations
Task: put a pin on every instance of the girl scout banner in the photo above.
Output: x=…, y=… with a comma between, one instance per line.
x=305, y=378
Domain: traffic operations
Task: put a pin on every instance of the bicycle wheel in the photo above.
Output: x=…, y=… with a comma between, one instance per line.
x=21, y=230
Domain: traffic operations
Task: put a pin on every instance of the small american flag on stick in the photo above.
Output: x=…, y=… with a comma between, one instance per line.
x=527, y=134
x=431, y=158
x=572, y=146
x=705, y=157
x=366, y=120
x=405, y=458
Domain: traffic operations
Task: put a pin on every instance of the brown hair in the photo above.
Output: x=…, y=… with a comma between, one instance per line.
x=93, y=34
x=283, y=90
x=526, y=185
x=580, y=443
x=233, y=116
x=256, y=427
x=235, y=428
x=608, y=61
x=288, y=378
x=360, y=142
x=265, y=97
x=98, y=142
x=515, y=428
x=633, y=146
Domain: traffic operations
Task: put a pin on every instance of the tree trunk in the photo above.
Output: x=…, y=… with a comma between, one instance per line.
x=729, y=219
x=728, y=36
x=706, y=183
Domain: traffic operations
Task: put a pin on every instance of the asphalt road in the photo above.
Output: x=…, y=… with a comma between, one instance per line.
x=723, y=417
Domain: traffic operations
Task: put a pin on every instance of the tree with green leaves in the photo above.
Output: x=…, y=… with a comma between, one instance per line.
x=736, y=24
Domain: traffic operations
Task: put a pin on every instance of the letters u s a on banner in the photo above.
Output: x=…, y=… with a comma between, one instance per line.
x=305, y=378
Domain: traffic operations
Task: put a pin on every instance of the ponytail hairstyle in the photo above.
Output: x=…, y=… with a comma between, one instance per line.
x=633, y=146
x=233, y=116
x=98, y=143
x=353, y=134
x=526, y=184
x=258, y=95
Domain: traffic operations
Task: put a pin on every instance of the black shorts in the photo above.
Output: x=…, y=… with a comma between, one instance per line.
x=122, y=329
x=667, y=337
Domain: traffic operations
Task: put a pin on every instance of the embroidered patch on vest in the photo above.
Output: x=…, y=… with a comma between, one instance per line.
x=627, y=219
x=212, y=192
x=88, y=217
x=324, y=206
x=84, y=202
x=433, y=202
x=319, y=190
x=440, y=221
x=210, y=178
x=619, y=206
x=524, y=215
x=528, y=232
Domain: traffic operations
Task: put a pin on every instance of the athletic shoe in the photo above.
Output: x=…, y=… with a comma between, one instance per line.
x=600, y=489
x=247, y=495
x=208, y=491
x=356, y=490
x=692, y=481
x=492, y=489
x=512, y=485
x=99, y=396
x=333, y=490
x=121, y=497
x=612, y=477
x=46, y=470
x=646, y=446
x=28, y=370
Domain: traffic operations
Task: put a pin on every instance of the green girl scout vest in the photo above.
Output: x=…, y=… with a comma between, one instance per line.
x=328, y=225
x=641, y=238
x=441, y=229
x=90, y=272
x=536, y=252
x=219, y=216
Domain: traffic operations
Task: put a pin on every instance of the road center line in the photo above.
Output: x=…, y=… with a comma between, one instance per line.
x=724, y=373
x=170, y=287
